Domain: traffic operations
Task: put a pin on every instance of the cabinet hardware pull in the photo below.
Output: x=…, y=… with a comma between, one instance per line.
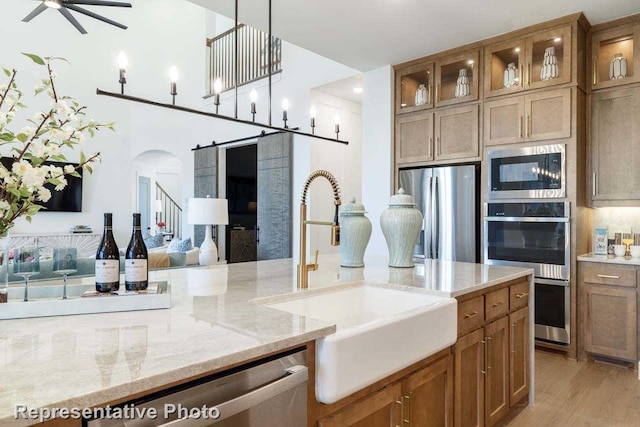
x=430, y=146
x=488, y=339
x=522, y=295
x=593, y=184
x=408, y=419
x=529, y=126
x=437, y=92
x=513, y=346
x=595, y=73
x=529, y=74
x=470, y=315
x=430, y=93
x=498, y=303
x=520, y=127
x=520, y=76
x=608, y=276
x=484, y=353
x=401, y=403
x=438, y=148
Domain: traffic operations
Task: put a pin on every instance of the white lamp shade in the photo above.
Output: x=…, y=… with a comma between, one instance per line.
x=208, y=211
x=158, y=206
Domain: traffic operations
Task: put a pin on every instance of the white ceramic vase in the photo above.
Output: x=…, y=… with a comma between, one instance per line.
x=462, y=84
x=510, y=77
x=401, y=223
x=618, y=67
x=355, y=232
x=421, y=95
x=549, y=69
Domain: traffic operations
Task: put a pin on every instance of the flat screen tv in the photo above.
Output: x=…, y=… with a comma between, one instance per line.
x=67, y=200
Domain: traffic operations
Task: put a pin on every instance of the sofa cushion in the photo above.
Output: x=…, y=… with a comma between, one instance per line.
x=159, y=260
x=154, y=241
x=178, y=245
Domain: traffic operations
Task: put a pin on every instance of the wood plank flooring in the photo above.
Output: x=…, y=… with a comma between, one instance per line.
x=572, y=393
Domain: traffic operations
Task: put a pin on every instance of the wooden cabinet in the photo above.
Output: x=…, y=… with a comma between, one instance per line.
x=457, y=78
x=615, y=144
x=609, y=310
x=526, y=56
x=492, y=361
x=414, y=138
x=532, y=117
x=615, y=52
x=380, y=409
x=414, y=87
x=457, y=133
x=427, y=395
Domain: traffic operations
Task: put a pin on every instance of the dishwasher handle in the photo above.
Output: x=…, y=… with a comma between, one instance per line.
x=293, y=377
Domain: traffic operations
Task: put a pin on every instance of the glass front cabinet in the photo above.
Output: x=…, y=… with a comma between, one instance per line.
x=457, y=78
x=615, y=57
x=540, y=60
x=414, y=88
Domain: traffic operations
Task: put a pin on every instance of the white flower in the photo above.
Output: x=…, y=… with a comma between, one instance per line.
x=55, y=134
x=21, y=167
x=37, y=117
x=55, y=171
x=28, y=131
x=4, y=206
x=34, y=178
x=54, y=149
x=69, y=169
x=68, y=132
x=44, y=194
x=79, y=136
x=63, y=183
x=38, y=149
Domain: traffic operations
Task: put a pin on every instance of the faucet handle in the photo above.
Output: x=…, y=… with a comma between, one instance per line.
x=314, y=266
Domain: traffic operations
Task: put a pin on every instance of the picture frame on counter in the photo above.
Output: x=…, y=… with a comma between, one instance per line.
x=600, y=242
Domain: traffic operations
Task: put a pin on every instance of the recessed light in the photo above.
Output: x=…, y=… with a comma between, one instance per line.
x=470, y=62
x=517, y=50
x=403, y=105
x=54, y=4
x=557, y=39
x=357, y=89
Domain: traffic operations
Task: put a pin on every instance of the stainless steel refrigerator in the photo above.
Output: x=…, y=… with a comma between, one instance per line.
x=448, y=198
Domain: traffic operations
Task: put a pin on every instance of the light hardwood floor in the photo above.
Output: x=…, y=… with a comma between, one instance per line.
x=571, y=393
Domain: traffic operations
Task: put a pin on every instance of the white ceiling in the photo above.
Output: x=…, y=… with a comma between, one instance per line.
x=344, y=88
x=367, y=34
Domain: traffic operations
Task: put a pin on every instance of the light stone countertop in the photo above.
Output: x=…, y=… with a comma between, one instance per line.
x=87, y=360
x=609, y=259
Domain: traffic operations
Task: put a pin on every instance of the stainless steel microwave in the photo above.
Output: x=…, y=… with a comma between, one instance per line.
x=527, y=173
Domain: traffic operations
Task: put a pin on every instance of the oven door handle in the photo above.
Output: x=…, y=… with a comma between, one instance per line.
x=563, y=283
x=525, y=219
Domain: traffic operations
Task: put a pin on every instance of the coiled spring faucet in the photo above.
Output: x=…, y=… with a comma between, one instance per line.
x=303, y=267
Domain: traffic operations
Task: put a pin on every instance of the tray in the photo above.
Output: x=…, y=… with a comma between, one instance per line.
x=46, y=301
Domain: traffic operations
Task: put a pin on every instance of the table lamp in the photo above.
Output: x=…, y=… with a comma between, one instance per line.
x=208, y=211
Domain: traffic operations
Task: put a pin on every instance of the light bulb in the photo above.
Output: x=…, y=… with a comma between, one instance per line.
x=285, y=104
x=54, y=4
x=253, y=95
x=357, y=89
x=173, y=74
x=313, y=112
x=217, y=86
x=123, y=61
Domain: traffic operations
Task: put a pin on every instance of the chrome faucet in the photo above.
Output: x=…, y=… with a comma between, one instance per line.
x=303, y=267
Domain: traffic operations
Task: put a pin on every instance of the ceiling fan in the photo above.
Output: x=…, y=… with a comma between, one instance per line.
x=63, y=6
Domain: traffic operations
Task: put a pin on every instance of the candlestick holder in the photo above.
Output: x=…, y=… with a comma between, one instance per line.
x=313, y=126
x=284, y=119
x=174, y=92
x=337, y=131
x=122, y=80
x=253, y=111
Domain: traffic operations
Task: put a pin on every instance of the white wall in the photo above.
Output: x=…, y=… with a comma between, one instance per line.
x=376, y=150
x=161, y=33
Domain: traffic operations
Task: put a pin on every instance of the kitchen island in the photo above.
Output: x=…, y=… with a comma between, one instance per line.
x=213, y=324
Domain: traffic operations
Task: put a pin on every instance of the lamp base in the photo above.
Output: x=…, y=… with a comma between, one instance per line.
x=208, y=250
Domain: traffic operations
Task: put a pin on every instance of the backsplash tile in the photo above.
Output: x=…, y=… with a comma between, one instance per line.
x=617, y=219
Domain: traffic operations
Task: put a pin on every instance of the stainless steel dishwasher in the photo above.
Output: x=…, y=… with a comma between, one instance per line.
x=268, y=393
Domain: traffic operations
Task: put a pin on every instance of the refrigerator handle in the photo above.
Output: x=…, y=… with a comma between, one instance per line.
x=436, y=217
x=427, y=220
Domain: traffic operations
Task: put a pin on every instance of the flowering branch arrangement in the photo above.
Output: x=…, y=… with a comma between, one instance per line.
x=27, y=174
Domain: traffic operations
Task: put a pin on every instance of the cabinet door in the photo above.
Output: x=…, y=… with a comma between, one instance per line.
x=504, y=121
x=497, y=382
x=414, y=88
x=457, y=133
x=615, y=133
x=548, y=115
x=457, y=78
x=414, y=138
x=380, y=409
x=549, y=58
x=469, y=380
x=504, y=67
x=519, y=355
x=428, y=395
x=608, y=68
x=611, y=316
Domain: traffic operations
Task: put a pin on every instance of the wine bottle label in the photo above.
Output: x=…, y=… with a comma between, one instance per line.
x=107, y=271
x=135, y=270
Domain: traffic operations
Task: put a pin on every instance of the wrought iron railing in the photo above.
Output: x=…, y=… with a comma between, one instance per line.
x=171, y=213
x=253, y=57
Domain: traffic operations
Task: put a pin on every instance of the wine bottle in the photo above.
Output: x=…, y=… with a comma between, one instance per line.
x=136, y=267
x=107, y=260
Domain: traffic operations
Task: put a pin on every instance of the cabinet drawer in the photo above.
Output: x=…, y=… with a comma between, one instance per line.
x=518, y=295
x=496, y=303
x=470, y=314
x=608, y=274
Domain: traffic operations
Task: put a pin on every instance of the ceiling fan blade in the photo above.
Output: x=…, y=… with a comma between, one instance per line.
x=71, y=19
x=35, y=12
x=97, y=3
x=95, y=16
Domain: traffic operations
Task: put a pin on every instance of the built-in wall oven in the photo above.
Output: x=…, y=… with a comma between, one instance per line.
x=535, y=235
x=527, y=172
